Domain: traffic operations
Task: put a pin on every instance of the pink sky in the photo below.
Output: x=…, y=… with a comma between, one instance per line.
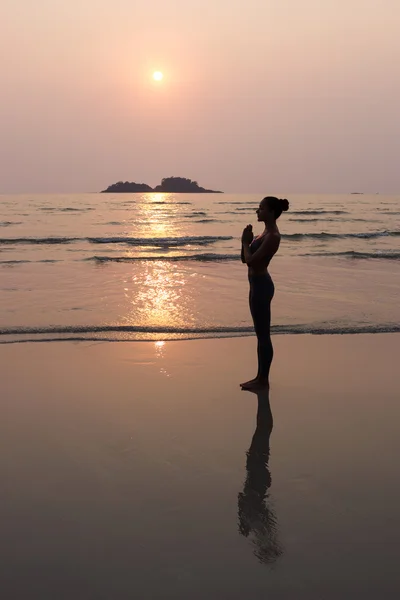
x=261, y=95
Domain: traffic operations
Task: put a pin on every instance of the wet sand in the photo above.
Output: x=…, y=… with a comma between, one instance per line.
x=135, y=470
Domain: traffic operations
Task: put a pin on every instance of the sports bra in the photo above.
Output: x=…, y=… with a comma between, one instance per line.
x=256, y=243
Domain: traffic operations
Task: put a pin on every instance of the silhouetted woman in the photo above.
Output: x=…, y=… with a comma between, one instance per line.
x=257, y=253
x=257, y=520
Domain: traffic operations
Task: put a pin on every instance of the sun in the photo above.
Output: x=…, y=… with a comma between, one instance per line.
x=158, y=76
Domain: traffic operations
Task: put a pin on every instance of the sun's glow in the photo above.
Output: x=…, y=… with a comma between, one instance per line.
x=158, y=296
x=158, y=76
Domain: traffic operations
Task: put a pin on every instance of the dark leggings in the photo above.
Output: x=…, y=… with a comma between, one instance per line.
x=261, y=293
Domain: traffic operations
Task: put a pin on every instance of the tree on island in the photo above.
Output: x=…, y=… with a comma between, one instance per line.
x=180, y=184
x=168, y=185
x=128, y=186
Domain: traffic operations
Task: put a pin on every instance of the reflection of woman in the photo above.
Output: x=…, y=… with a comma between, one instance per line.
x=256, y=517
x=257, y=254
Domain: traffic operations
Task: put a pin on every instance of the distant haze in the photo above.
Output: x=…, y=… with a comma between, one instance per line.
x=257, y=96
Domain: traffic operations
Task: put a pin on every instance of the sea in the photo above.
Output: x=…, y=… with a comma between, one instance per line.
x=119, y=267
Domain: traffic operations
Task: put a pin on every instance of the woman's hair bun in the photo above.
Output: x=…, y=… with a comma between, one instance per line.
x=284, y=204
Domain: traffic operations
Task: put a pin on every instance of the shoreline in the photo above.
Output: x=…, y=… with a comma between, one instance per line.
x=243, y=333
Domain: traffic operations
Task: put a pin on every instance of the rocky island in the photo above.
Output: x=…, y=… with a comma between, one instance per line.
x=168, y=185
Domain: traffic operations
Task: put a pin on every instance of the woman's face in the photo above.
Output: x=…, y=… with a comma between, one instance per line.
x=263, y=212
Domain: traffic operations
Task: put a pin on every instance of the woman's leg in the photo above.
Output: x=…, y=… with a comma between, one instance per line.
x=252, y=311
x=265, y=349
x=261, y=294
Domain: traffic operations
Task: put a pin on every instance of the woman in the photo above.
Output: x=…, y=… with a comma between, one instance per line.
x=257, y=254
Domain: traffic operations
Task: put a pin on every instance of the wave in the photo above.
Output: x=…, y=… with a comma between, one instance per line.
x=161, y=242
x=209, y=221
x=70, y=209
x=14, y=262
x=47, y=240
x=83, y=332
x=21, y=262
x=196, y=213
x=319, y=219
x=234, y=212
x=209, y=257
x=248, y=202
x=120, y=329
x=131, y=241
x=311, y=220
x=324, y=235
x=319, y=212
x=158, y=202
x=9, y=223
x=359, y=255
x=66, y=209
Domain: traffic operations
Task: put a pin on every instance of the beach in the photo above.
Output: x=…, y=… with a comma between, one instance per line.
x=133, y=465
x=135, y=470
x=199, y=199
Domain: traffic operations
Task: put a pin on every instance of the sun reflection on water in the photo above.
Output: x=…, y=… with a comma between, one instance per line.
x=157, y=292
x=160, y=347
x=153, y=218
x=160, y=298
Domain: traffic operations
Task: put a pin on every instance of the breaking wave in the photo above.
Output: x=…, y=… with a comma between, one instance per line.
x=131, y=241
x=209, y=257
x=119, y=333
x=359, y=255
x=326, y=236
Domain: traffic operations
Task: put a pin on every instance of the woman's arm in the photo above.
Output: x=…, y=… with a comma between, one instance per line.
x=247, y=238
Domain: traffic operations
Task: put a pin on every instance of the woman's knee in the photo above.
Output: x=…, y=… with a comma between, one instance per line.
x=264, y=338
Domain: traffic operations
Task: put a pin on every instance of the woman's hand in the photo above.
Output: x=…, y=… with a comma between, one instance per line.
x=247, y=235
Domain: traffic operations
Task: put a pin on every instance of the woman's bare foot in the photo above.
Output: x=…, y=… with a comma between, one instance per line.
x=248, y=382
x=256, y=385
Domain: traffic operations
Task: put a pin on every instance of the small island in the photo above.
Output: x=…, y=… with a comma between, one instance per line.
x=168, y=185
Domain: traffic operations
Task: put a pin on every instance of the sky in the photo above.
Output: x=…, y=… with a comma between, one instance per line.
x=257, y=96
